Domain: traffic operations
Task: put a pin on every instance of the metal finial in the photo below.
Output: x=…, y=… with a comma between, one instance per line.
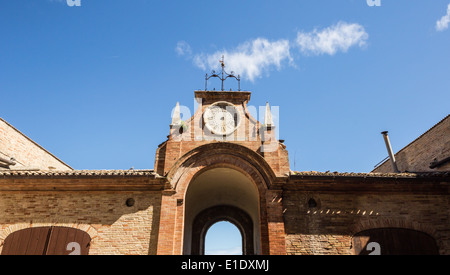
x=222, y=62
x=224, y=75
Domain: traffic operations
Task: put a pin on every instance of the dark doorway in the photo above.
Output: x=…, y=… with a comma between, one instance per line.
x=394, y=241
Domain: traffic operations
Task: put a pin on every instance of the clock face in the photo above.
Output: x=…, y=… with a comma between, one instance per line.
x=221, y=118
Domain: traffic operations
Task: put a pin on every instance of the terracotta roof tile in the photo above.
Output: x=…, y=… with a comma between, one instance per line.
x=76, y=173
x=370, y=175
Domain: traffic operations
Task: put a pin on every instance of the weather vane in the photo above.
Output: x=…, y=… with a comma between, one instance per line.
x=224, y=75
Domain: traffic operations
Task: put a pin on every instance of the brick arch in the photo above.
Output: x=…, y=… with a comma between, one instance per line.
x=224, y=155
x=233, y=155
x=190, y=173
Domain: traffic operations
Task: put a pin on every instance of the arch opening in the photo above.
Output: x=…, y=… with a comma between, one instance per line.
x=221, y=194
x=223, y=238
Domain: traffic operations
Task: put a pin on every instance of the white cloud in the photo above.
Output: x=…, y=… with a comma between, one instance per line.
x=250, y=59
x=442, y=24
x=254, y=58
x=183, y=48
x=339, y=37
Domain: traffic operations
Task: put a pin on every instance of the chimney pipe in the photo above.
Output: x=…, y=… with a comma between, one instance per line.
x=391, y=154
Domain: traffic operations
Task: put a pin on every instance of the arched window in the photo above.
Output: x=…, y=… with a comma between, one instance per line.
x=223, y=238
x=51, y=240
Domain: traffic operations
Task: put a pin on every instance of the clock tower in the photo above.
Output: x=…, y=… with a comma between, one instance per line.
x=222, y=164
x=222, y=117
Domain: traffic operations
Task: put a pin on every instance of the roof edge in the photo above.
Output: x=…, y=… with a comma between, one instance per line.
x=35, y=143
x=76, y=173
x=409, y=175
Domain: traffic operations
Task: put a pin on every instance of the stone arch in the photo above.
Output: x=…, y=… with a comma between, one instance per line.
x=210, y=216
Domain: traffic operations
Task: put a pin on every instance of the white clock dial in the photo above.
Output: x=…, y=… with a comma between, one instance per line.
x=221, y=118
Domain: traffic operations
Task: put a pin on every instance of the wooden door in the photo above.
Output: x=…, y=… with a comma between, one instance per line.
x=47, y=241
x=31, y=241
x=394, y=241
x=65, y=241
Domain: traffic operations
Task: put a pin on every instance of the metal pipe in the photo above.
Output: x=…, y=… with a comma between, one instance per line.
x=7, y=161
x=391, y=153
x=437, y=163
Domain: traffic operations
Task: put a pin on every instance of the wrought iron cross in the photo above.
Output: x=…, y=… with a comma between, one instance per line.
x=224, y=75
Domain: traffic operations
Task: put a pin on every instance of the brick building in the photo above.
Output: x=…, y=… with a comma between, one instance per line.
x=19, y=152
x=220, y=164
x=430, y=152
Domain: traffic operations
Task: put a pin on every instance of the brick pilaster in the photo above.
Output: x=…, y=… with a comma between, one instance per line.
x=277, y=240
x=167, y=224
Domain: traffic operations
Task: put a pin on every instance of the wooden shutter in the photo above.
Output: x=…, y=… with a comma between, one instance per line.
x=395, y=241
x=61, y=237
x=46, y=241
x=31, y=241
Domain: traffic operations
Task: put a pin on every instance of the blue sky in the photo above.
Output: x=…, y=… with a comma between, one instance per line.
x=223, y=238
x=96, y=84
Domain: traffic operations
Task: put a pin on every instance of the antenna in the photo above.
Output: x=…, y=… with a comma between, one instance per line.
x=223, y=76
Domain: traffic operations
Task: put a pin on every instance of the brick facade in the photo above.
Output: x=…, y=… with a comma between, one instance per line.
x=357, y=204
x=297, y=212
x=114, y=227
x=94, y=202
